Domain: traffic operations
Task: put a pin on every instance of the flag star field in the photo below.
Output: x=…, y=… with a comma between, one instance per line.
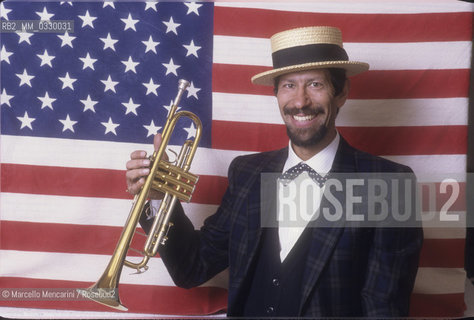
x=114, y=77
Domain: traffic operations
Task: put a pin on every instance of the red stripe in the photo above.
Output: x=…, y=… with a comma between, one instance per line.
x=83, y=182
x=232, y=135
x=419, y=140
x=68, y=238
x=65, y=181
x=411, y=84
x=386, y=84
x=47, y=180
x=138, y=298
x=428, y=140
x=261, y=23
x=443, y=201
x=437, y=305
x=442, y=253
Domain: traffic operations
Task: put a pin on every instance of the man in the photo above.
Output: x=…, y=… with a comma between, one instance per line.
x=339, y=271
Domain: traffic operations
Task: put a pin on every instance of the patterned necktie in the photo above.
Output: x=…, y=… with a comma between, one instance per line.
x=295, y=171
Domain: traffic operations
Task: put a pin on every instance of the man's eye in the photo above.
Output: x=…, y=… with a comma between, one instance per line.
x=288, y=85
x=316, y=84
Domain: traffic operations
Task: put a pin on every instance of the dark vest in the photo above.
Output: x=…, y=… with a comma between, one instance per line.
x=274, y=288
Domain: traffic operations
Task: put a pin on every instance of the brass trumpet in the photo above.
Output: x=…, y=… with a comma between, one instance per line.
x=172, y=179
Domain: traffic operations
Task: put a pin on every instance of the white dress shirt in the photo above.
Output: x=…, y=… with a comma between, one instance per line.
x=322, y=164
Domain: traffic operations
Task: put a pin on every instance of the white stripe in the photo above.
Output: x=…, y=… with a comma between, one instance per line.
x=80, y=267
x=380, y=56
x=355, y=113
x=439, y=280
x=364, y=7
x=435, y=168
x=99, y=154
x=444, y=233
x=404, y=112
x=449, y=220
x=75, y=153
x=80, y=210
x=32, y=313
x=113, y=212
x=88, y=268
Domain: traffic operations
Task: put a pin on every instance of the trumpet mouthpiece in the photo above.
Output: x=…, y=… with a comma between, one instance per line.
x=183, y=84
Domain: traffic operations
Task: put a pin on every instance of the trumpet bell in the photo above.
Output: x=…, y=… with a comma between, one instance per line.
x=106, y=297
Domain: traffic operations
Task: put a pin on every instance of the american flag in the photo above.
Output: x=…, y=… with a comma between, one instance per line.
x=74, y=105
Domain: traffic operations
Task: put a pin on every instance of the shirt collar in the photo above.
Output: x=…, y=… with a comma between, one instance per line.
x=320, y=162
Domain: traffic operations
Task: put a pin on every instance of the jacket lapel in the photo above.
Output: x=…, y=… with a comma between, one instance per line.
x=273, y=164
x=325, y=238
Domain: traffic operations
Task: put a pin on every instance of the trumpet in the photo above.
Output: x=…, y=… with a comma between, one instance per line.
x=175, y=182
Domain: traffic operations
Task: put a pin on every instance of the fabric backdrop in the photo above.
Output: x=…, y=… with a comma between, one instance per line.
x=75, y=104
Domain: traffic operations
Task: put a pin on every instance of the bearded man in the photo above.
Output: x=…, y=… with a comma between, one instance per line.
x=335, y=271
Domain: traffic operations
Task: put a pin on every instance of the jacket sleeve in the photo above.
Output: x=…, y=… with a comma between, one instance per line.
x=391, y=272
x=392, y=264
x=191, y=256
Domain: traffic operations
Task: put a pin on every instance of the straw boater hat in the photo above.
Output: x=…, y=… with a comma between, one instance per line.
x=305, y=49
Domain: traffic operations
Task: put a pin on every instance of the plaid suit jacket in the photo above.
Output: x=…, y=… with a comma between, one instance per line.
x=348, y=272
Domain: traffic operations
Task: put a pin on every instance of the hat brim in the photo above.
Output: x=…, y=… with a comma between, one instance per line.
x=352, y=68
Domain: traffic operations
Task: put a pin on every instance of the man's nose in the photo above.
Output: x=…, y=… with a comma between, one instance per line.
x=301, y=98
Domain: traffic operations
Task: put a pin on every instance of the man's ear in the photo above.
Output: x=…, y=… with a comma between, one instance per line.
x=342, y=97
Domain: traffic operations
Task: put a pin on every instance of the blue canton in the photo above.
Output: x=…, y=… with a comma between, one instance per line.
x=113, y=77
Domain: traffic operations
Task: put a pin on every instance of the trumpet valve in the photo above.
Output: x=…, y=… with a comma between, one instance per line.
x=165, y=237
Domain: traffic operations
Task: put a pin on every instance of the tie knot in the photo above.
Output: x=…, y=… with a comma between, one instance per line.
x=295, y=171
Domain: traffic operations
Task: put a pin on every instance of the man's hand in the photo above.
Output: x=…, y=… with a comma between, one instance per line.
x=138, y=168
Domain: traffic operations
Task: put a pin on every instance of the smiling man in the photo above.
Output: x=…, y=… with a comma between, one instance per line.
x=308, y=105
x=335, y=271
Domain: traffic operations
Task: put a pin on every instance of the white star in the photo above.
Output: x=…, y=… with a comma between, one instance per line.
x=25, y=78
x=109, y=84
x=150, y=45
x=151, y=87
x=24, y=37
x=68, y=2
x=150, y=5
x=171, y=26
x=87, y=20
x=191, y=130
x=109, y=42
x=152, y=129
x=89, y=104
x=130, y=65
x=26, y=121
x=88, y=62
x=192, y=49
x=5, y=98
x=109, y=3
x=67, y=81
x=192, y=7
x=66, y=39
x=110, y=126
x=171, y=67
x=45, y=15
x=45, y=58
x=192, y=91
x=129, y=23
x=131, y=107
x=68, y=124
x=47, y=101
x=4, y=12
x=5, y=55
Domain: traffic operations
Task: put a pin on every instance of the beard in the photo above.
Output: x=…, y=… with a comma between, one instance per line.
x=306, y=137
x=296, y=136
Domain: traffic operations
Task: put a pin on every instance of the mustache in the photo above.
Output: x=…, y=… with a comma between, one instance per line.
x=305, y=110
